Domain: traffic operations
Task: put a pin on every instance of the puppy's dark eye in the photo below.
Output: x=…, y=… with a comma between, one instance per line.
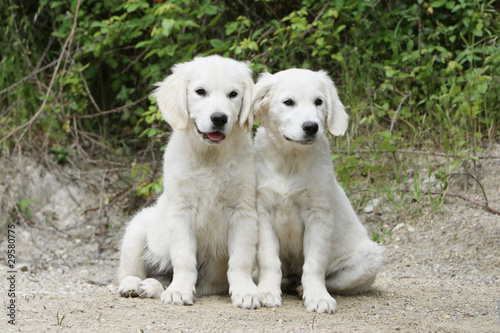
x=318, y=102
x=233, y=94
x=289, y=102
x=201, y=91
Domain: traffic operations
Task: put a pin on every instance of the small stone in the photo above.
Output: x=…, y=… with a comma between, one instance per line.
x=371, y=205
x=23, y=267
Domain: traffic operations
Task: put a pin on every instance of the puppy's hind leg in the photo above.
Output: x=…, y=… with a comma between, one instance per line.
x=356, y=259
x=132, y=269
x=357, y=273
x=150, y=288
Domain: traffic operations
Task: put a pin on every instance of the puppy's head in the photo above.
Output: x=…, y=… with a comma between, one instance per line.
x=208, y=96
x=298, y=104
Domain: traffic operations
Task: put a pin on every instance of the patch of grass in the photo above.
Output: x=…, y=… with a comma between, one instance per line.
x=23, y=206
x=382, y=236
x=59, y=320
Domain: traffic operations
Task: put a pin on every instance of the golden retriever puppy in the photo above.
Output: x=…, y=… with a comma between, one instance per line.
x=200, y=236
x=309, y=235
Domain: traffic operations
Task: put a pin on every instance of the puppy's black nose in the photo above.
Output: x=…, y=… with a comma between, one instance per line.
x=218, y=119
x=310, y=127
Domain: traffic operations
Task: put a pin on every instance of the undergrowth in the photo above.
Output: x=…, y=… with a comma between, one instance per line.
x=417, y=77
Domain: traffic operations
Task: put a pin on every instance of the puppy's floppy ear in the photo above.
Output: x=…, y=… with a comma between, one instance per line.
x=246, y=116
x=171, y=97
x=261, y=95
x=336, y=118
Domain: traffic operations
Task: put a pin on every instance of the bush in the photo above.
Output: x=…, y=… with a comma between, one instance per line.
x=443, y=56
x=412, y=74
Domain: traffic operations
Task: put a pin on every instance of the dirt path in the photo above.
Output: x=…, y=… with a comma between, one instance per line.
x=442, y=270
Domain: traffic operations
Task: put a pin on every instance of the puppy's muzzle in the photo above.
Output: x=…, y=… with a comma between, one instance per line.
x=310, y=128
x=219, y=120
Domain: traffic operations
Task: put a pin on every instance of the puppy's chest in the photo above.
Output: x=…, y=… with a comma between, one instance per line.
x=210, y=196
x=206, y=190
x=287, y=193
x=288, y=221
x=288, y=200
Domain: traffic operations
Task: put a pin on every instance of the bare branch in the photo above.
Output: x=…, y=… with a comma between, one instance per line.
x=112, y=111
x=427, y=191
x=393, y=122
x=416, y=152
x=27, y=77
x=322, y=11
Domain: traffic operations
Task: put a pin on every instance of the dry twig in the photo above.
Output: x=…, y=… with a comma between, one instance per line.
x=417, y=152
x=322, y=11
x=484, y=205
x=114, y=110
x=393, y=122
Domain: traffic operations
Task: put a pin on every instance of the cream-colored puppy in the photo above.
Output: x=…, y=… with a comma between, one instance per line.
x=201, y=234
x=309, y=234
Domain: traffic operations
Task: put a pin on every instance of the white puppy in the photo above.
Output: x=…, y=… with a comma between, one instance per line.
x=309, y=234
x=202, y=232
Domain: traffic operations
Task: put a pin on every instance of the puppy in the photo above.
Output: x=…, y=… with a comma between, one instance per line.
x=201, y=234
x=309, y=234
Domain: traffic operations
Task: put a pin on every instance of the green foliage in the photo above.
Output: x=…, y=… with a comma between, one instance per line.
x=23, y=206
x=145, y=188
x=413, y=75
x=62, y=154
x=381, y=237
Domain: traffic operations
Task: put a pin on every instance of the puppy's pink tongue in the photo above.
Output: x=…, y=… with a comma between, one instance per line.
x=215, y=136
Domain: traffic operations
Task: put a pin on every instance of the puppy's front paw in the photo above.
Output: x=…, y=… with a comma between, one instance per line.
x=150, y=288
x=246, y=301
x=130, y=286
x=321, y=303
x=270, y=298
x=173, y=296
x=245, y=297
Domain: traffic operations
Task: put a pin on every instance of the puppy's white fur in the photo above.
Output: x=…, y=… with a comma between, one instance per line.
x=308, y=230
x=201, y=234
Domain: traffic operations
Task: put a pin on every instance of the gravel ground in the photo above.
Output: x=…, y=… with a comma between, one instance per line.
x=442, y=269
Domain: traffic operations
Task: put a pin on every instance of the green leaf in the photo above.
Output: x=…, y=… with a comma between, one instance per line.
x=131, y=7
x=217, y=43
x=391, y=72
x=231, y=27
x=144, y=43
x=211, y=10
x=437, y=4
x=482, y=88
x=167, y=25
x=385, y=134
x=455, y=90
